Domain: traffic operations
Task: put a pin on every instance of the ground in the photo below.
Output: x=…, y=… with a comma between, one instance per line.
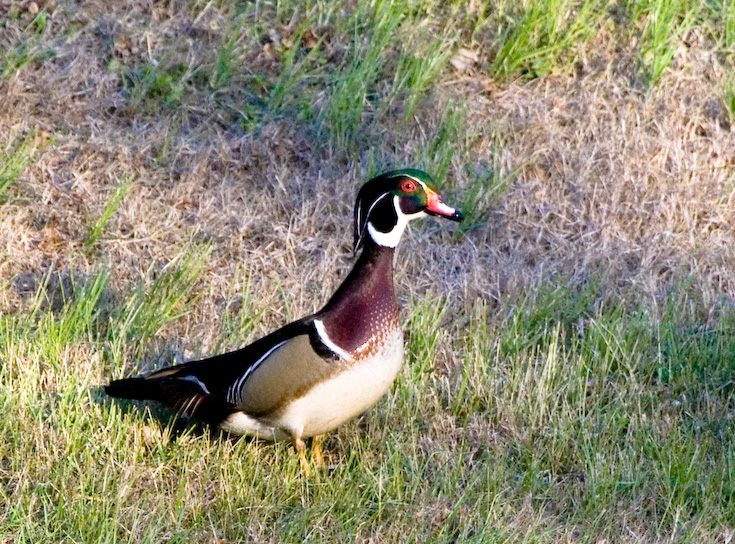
x=178, y=178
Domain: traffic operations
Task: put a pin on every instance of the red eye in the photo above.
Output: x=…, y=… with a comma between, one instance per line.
x=408, y=186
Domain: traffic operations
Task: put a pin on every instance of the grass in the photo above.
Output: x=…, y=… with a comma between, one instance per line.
x=28, y=50
x=119, y=194
x=541, y=33
x=573, y=425
x=666, y=23
x=16, y=153
x=730, y=99
x=569, y=347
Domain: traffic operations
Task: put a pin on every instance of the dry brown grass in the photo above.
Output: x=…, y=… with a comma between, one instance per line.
x=635, y=184
x=609, y=178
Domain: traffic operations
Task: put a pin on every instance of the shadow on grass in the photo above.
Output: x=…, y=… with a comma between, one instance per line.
x=175, y=425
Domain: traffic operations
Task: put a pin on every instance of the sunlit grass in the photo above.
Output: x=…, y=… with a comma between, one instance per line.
x=117, y=197
x=556, y=415
x=522, y=428
x=541, y=35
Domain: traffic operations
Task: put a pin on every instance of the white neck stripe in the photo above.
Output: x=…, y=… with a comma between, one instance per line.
x=359, y=217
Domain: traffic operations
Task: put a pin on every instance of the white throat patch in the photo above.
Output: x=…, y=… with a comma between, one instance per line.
x=393, y=236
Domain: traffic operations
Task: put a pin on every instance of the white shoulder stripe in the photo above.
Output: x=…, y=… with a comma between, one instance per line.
x=324, y=337
x=234, y=393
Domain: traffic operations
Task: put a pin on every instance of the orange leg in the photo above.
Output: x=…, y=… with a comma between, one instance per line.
x=316, y=448
x=300, y=448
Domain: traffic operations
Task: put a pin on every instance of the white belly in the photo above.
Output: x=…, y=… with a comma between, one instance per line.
x=332, y=402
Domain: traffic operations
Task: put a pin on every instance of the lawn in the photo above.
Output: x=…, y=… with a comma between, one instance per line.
x=177, y=179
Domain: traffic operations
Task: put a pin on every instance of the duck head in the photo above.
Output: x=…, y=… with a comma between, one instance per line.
x=386, y=204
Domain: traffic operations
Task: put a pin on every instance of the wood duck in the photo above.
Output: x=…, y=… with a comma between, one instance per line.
x=314, y=374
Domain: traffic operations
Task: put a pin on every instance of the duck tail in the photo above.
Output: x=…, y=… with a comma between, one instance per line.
x=135, y=389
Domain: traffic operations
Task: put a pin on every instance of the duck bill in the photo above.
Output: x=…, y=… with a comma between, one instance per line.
x=437, y=207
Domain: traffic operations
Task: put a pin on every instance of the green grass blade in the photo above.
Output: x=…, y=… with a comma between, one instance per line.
x=15, y=155
x=121, y=191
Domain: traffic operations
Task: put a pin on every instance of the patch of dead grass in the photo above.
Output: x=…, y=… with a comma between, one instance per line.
x=609, y=179
x=635, y=185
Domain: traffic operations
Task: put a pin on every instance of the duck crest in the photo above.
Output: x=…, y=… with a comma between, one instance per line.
x=364, y=309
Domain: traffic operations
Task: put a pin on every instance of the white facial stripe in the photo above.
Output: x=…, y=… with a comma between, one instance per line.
x=197, y=381
x=417, y=180
x=381, y=197
x=234, y=393
x=359, y=217
x=324, y=337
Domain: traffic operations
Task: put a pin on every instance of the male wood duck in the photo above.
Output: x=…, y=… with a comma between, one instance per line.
x=312, y=375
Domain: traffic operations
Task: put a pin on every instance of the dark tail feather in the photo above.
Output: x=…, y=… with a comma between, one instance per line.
x=182, y=396
x=135, y=388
